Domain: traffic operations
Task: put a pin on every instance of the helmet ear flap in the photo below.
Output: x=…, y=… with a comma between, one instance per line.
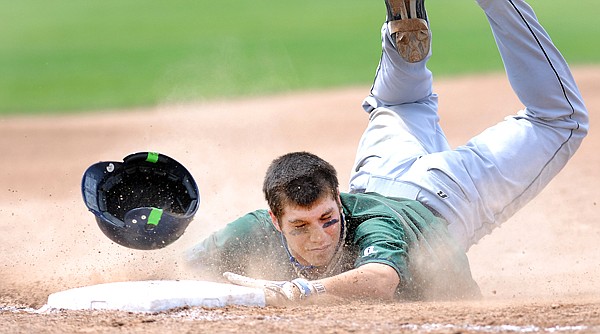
x=145, y=202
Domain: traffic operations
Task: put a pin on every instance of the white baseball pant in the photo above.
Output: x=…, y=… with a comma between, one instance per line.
x=475, y=187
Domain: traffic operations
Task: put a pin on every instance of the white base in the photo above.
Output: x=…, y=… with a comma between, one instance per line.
x=154, y=296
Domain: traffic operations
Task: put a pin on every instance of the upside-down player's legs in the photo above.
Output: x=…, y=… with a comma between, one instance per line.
x=483, y=183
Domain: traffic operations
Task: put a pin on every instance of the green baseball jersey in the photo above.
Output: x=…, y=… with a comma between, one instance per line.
x=400, y=233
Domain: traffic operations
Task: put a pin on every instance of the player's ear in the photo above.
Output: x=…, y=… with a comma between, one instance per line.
x=275, y=221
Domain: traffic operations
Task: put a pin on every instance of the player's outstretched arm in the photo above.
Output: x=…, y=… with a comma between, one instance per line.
x=371, y=281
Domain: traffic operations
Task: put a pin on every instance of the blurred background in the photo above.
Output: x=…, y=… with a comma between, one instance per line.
x=72, y=56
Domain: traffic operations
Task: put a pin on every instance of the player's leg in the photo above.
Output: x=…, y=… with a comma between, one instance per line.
x=403, y=122
x=398, y=81
x=482, y=184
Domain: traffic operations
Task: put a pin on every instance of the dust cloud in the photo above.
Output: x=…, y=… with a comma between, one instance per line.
x=50, y=242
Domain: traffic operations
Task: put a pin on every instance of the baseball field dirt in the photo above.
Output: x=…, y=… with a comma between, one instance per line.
x=539, y=272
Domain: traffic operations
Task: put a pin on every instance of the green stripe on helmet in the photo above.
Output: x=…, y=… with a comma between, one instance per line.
x=152, y=157
x=154, y=217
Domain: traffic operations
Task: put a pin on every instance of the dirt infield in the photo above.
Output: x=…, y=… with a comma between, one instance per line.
x=540, y=272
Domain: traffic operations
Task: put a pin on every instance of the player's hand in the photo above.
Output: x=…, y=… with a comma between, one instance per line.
x=279, y=293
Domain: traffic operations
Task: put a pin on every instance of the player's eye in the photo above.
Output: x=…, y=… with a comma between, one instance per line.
x=330, y=223
x=298, y=229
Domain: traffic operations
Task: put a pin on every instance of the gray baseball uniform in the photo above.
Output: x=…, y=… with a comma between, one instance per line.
x=481, y=184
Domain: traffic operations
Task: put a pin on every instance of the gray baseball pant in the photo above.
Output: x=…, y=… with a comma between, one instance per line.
x=477, y=186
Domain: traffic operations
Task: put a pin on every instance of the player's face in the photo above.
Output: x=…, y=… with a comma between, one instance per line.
x=313, y=233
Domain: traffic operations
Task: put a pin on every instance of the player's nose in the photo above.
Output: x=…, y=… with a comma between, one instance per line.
x=317, y=234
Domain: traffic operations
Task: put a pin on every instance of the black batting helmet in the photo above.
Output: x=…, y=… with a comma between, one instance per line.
x=144, y=202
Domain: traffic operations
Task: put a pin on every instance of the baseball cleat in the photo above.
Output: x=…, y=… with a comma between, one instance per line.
x=407, y=23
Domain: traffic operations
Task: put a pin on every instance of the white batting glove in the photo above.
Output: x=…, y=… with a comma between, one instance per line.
x=279, y=293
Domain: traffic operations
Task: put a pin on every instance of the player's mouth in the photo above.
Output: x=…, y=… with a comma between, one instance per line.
x=320, y=249
x=320, y=255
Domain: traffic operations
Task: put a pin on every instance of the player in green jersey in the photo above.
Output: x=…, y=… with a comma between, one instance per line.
x=316, y=240
x=415, y=205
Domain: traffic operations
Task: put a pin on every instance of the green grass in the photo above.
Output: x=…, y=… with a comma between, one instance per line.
x=65, y=55
x=463, y=42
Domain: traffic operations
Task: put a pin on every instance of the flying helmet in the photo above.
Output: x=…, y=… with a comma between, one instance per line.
x=145, y=202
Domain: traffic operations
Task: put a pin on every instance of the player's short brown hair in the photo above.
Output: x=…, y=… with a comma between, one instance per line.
x=298, y=178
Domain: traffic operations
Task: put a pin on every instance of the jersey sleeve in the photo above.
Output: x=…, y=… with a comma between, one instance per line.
x=382, y=240
x=408, y=238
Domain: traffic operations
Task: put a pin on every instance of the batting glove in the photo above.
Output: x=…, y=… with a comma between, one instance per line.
x=279, y=293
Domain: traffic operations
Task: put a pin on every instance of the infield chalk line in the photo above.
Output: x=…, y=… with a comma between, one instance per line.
x=494, y=329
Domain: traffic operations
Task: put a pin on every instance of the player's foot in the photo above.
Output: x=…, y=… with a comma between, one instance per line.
x=407, y=22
